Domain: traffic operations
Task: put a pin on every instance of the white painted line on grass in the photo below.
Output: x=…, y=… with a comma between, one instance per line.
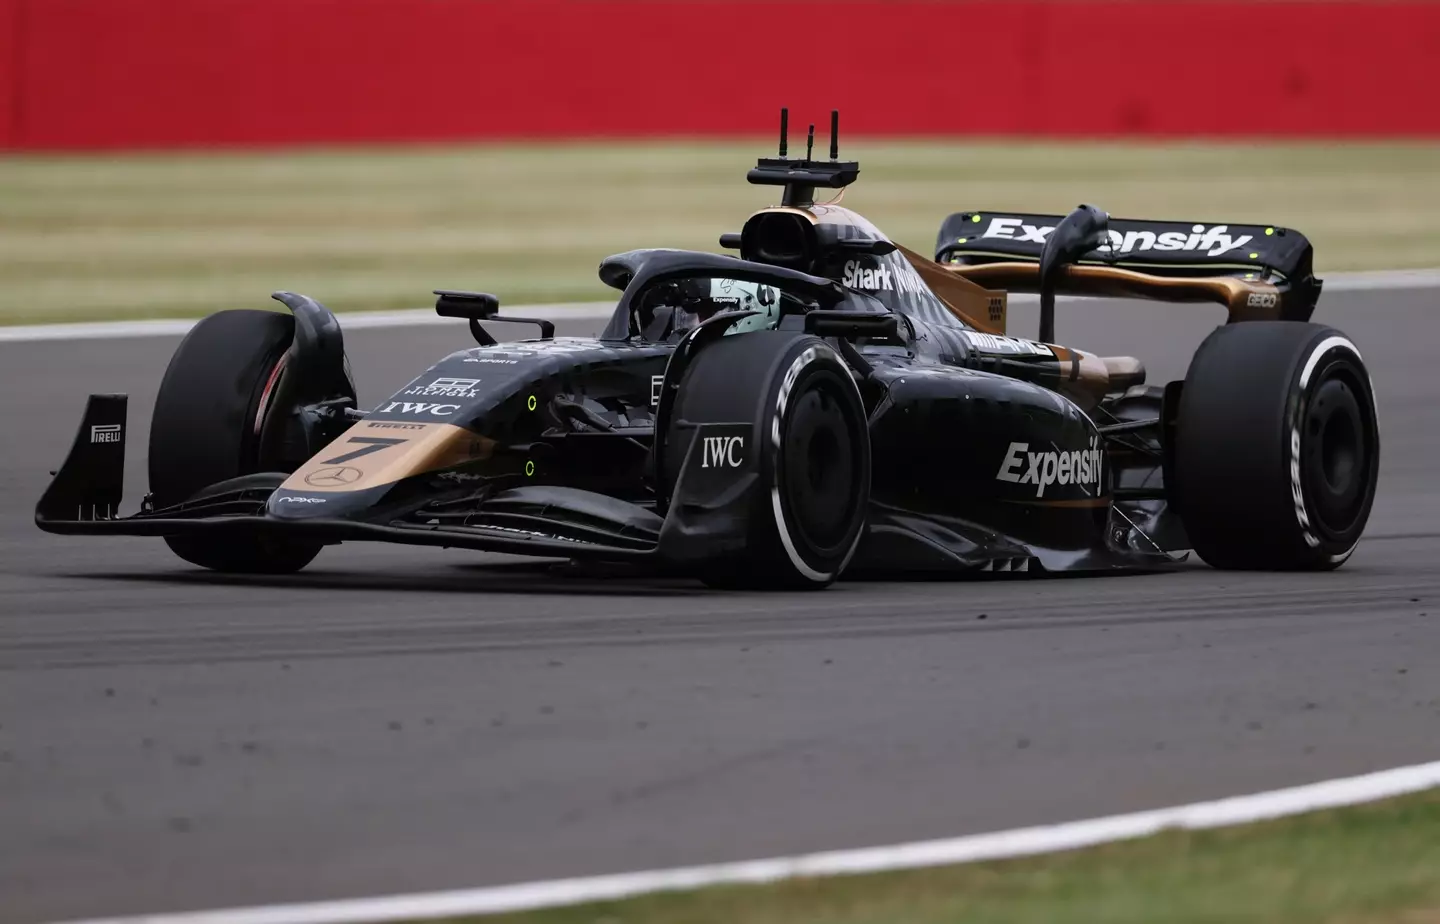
x=350, y=320
x=1367, y=281
x=1000, y=845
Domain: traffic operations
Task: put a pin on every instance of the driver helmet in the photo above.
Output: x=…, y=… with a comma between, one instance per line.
x=708, y=297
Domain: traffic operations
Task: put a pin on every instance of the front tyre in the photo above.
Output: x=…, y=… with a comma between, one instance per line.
x=809, y=425
x=206, y=428
x=1277, y=447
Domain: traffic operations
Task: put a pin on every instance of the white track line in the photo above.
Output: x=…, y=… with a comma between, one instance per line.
x=1000, y=845
x=1369, y=281
x=1376, y=280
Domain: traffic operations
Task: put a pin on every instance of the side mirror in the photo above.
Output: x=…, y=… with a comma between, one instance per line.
x=1078, y=233
x=482, y=306
x=474, y=305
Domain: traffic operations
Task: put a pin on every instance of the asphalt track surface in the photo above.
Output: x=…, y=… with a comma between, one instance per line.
x=400, y=719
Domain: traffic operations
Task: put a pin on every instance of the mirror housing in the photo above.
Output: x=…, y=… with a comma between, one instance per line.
x=482, y=306
x=473, y=305
x=1080, y=232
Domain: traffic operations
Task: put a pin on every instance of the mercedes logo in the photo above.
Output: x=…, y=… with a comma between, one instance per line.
x=333, y=477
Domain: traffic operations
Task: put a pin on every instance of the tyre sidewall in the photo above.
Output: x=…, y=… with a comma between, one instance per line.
x=813, y=366
x=204, y=428
x=1329, y=356
x=1244, y=461
x=767, y=378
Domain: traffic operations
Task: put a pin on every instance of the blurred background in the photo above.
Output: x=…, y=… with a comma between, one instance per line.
x=174, y=157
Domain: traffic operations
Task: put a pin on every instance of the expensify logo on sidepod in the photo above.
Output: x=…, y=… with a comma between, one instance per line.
x=1080, y=467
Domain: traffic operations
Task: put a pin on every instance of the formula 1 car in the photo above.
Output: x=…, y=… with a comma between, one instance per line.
x=828, y=402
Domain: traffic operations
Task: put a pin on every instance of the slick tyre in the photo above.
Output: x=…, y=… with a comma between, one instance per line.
x=206, y=426
x=1277, y=447
x=808, y=514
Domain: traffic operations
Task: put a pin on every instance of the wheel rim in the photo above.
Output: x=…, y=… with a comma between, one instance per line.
x=819, y=468
x=1338, y=457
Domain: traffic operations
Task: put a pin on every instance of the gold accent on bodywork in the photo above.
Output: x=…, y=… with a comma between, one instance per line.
x=1086, y=377
x=1081, y=279
x=969, y=301
x=997, y=311
x=386, y=451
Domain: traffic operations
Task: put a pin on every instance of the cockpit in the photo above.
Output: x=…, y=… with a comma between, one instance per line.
x=668, y=309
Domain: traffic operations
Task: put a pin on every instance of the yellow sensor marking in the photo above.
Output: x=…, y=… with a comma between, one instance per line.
x=529, y=468
x=531, y=403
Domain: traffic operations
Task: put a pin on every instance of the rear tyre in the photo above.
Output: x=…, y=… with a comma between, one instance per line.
x=1277, y=447
x=810, y=427
x=206, y=429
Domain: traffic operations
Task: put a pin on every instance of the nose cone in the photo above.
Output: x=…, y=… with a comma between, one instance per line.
x=289, y=503
x=294, y=505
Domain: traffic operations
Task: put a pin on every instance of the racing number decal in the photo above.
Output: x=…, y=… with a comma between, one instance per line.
x=368, y=444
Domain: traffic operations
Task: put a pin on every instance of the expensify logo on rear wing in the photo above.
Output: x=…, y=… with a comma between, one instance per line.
x=1213, y=241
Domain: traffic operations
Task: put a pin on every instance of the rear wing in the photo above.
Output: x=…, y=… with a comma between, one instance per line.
x=1257, y=271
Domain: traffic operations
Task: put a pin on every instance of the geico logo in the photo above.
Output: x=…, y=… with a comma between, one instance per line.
x=1213, y=241
x=1262, y=300
x=416, y=407
x=1080, y=467
x=723, y=452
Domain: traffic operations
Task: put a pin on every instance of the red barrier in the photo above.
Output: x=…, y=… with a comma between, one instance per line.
x=161, y=73
x=9, y=71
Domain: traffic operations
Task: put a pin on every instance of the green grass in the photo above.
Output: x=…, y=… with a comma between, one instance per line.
x=180, y=235
x=1364, y=865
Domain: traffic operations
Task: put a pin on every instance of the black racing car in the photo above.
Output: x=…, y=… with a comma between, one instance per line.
x=826, y=403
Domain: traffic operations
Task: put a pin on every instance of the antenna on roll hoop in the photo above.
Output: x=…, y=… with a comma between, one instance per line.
x=801, y=177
